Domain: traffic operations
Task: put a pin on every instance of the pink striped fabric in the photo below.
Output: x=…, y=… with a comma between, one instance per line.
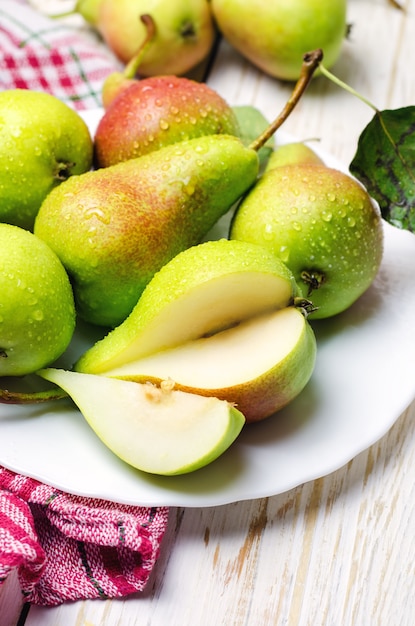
x=65, y=547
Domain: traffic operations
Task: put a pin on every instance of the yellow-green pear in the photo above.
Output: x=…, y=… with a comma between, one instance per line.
x=115, y=227
x=202, y=290
x=292, y=153
x=260, y=365
x=42, y=143
x=322, y=224
x=156, y=430
x=37, y=312
x=275, y=35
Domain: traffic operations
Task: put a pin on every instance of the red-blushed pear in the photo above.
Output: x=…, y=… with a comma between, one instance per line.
x=158, y=111
x=259, y=365
x=323, y=224
x=37, y=313
x=42, y=143
x=201, y=291
x=275, y=35
x=185, y=33
x=156, y=430
x=115, y=227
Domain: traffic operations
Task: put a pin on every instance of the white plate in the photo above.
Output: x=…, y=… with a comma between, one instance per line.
x=363, y=380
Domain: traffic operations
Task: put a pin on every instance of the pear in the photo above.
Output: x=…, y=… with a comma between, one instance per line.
x=185, y=33
x=37, y=313
x=323, y=224
x=275, y=35
x=260, y=365
x=158, y=111
x=156, y=430
x=89, y=9
x=292, y=153
x=42, y=143
x=204, y=289
x=115, y=227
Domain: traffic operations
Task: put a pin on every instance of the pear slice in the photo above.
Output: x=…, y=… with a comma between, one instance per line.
x=155, y=429
x=260, y=365
x=204, y=289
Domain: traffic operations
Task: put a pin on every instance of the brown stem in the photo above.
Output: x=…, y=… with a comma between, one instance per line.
x=311, y=62
x=133, y=65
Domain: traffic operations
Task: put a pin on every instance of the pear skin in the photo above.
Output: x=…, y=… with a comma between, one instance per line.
x=294, y=153
x=323, y=224
x=158, y=111
x=115, y=227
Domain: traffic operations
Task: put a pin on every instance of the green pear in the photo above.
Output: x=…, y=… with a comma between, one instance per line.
x=184, y=37
x=158, y=111
x=259, y=365
x=37, y=313
x=274, y=36
x=323, y=224
x=115, y=227
x=42, y=143
x=292, y=153
x=204, y=289
x=156, y=430
x=89, y=9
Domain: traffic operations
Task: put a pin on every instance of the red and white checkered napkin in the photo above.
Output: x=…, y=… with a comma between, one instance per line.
x=66, y=547
x=52, y=55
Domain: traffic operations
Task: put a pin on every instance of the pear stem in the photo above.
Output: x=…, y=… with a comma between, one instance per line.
x=311, y=62
x=133, y=65
x=346, y=87
x=31, y=397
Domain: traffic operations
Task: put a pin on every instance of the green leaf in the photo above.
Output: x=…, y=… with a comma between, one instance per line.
x=385, y=163
x=252, y=123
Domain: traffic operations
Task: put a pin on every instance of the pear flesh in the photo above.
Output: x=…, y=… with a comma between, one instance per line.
x=259, y=365
x=156, y=430
x=202, y=290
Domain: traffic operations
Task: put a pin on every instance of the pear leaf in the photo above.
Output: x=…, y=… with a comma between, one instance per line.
x=252, y=123
x=385, y=163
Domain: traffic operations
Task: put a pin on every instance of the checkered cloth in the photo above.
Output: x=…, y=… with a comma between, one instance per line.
x=44, y=54
x=66, y=547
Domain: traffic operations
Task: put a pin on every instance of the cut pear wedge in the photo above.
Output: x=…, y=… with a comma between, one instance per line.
x=155, y=429
x=259, y=365
x=202, y=290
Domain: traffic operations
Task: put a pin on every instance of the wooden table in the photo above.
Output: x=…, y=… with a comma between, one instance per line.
x=337, y=551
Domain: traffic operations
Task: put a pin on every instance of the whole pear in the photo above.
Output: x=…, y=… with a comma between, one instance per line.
x=37, y=313
x=89, y=9
x=274, y=36
x=184, y=33
x=322, y=224
x=115, y=227
x=42, y=143
x=158, y=111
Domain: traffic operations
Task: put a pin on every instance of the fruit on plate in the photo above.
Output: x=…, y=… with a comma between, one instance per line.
x=201, y=291
x=292, y=153
x=155, y=429
x=114, y=227
x=274, y=36
x=37, y=314
x=158, y=111
x=42, y=143
x=184, y=33
x=323, y=224
x=260, y=365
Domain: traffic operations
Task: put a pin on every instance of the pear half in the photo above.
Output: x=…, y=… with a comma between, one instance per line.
x=202, y=290
x=155, y=429
x=259, y=365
